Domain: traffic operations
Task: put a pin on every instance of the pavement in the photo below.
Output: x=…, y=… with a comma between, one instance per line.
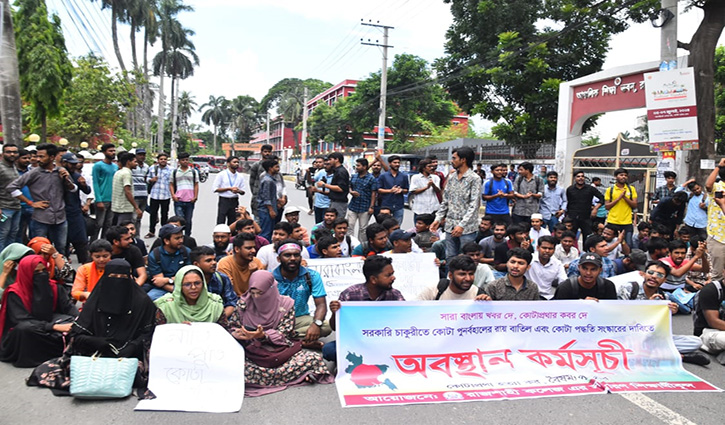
x=319, y=404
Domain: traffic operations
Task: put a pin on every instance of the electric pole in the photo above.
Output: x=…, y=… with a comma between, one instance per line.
x=383, y=79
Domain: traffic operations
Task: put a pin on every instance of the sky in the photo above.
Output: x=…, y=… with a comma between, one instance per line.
x=246, y=46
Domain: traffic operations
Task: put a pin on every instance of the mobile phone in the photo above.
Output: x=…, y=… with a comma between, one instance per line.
x=250, y=328
x=3, y=218
x=718, y=195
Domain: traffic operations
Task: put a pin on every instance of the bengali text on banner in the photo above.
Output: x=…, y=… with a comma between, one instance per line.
x=448, y=351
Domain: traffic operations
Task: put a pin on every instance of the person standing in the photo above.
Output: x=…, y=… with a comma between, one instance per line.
x=310, y=183
x=461, y=199
x=322, y=201
x=364, y=191
x=255, y=176
x=123, y=203
x=497, y=192
x=158, y=180
x=184, y=188
x=424, y=189
x=22, y=164
x=579, y=207
x=527, y=190
x=340, y=184
x=667, y=190
x=10, y=221
x=47, y=184
x=392, y=187
x=716, y=220
x=229, y=184
x=140, y=190
x=267, y=198
x=77, y=234
x=620, y=200
x=697, y=203
x=103, y=172
x=553, y=202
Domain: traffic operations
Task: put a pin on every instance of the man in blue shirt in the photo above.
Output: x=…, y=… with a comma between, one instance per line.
x=696, y=215
x=364, y=191
x=322, y=201
x=299, y=283
x=166, y=260
x=497, y=191
x=216, y=282
x=553, y=202
x=392, y=187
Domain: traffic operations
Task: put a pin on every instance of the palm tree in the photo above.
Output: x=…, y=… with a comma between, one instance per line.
x=186, y=106
x=151, y=32
x=10, y=101
x=118, y=14
x=214, y=113
x=291, y=105
x=245, y=117
x=179, y=65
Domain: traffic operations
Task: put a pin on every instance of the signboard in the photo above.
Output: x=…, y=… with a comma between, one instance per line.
x=454, y=351
x=197, y=367
x=672, y=110
x=613, y=94
x=666, y=163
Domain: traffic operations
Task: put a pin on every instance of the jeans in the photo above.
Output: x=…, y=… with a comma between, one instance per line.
x=9, y=228
x=25, y=217
x=551, y=222
x=266, y=222
x=154, y=213
x=398, y=215
x=104, y=218
x=501, y=218
x=57, y=233
x=362, y=218
x=156, y=293
x=186, y=210
x=320, y=214
x=628, y=230
x=453, y=245
x=227, y=210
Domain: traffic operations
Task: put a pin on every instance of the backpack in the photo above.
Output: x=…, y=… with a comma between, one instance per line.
x=173, y=177
x=697, y=312
x=574, y=282
x=443, y=285
x=610, y=191
x=489, y=191
x=157, y=254
x=537, y=179
x=146, y=177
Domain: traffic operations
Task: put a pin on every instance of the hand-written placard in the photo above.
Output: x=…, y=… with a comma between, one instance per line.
x=413, y=273
x=195, y=368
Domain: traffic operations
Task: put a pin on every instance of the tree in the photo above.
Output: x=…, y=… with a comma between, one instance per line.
x=333, y=125
x=118, y=14
x=187, y=105
x=45, y=70
x=244, y=117
x=214, y=113
x=10, y=100
x=505, y=59
x=720, y=99
x=413, y=98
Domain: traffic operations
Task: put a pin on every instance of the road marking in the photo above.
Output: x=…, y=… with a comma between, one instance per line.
x=657, y=410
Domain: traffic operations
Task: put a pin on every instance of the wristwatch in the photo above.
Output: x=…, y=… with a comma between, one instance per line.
x=318, y=322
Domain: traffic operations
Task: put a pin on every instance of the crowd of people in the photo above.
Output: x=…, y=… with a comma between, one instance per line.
x=536, y=241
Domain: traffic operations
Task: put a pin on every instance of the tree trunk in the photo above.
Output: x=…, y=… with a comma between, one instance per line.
x=134, y=59
x=702, y=54
x=10, y=101
x=43, y=127
x=114, y=35
x=147, y=103
x=215, y=132
x=174, y=103
x=162, y=109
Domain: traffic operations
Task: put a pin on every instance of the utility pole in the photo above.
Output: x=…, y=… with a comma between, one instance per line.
x=383, y=79
x=303, y=144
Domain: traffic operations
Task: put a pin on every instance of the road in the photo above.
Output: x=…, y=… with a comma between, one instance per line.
x=319, y=404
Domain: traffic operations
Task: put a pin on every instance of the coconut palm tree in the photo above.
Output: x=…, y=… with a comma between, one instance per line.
x=186, y=106
x=179, y=66
x=245, y=117
x=10, y=101
x=214, y=113
x=118, y=14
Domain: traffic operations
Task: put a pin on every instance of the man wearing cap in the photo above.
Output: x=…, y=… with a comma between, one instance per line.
x=140, y=190
x=166, y=260
x=588, y=285
x=299, y=283
x=402, y=241
x=635, y=261
x=222, y=245
x=123, y=203
x=73, y=213
x=229, y=184
x=292, y=215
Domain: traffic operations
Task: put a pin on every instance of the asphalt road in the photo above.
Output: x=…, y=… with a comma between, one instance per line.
x=319, y=404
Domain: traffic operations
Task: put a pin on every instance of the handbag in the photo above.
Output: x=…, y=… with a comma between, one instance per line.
x=102, y=377
x=270, y=356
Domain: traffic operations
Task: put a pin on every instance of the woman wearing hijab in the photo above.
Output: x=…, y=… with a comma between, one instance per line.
x=273, y=316
x=58, y=267
x=32, y=316
x=117, y=321
x=9, y=258
x=190, y=301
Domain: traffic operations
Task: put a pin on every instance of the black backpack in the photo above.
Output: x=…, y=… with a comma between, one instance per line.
x=443, y=285
x=697, y=313
x=173, y=177
x=601, y=290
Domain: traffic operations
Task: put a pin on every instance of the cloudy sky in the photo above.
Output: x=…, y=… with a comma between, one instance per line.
x=246, y=46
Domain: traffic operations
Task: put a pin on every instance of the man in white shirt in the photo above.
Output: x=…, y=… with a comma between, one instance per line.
x=545, y=268
x=616, y=245
x=424, y=189
x=229, y=184
x=566, y=252
x=268, y=253
x=347, y=242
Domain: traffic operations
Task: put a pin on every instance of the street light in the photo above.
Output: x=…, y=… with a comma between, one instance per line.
x=120, y=142
x=33, y=138
x=63, y=141
x=84, y=145
x=134, y=144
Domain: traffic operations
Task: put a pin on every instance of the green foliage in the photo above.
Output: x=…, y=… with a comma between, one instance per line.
x=45, y=70
x=592, y=140
x=720, y=99
x=413, y=99
x=505, y=59
x=332, y=124
x=245, y=117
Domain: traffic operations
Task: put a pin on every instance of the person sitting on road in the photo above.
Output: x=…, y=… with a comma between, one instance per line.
x=265, y=318
x=58, y=265
x=267, y=254
x=459, y=284
x=484, y=274
x=121, y=247
x=222, y=245
x=347, y=242
x=377, y=242
x=588, y=283
x=597, y=245
x=165, y=262
x=248, y=225
x=546, y=271
x=513, y=286
x=326, y=223
x=9, y=259
x=217, y=282
x=242, y=263
x=88, y=275
x=301, y=283
x=180, y=221
x=190, y=301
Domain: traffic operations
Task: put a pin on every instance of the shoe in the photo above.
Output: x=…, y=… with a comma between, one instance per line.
x=149, y=235
x=310, y=212
x=696, y=358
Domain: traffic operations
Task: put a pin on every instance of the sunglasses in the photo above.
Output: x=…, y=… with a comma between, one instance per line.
x=654, y=273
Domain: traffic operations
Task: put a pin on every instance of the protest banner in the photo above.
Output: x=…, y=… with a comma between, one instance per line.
x=455, y=351
x=196, y=367
x=413, y=272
